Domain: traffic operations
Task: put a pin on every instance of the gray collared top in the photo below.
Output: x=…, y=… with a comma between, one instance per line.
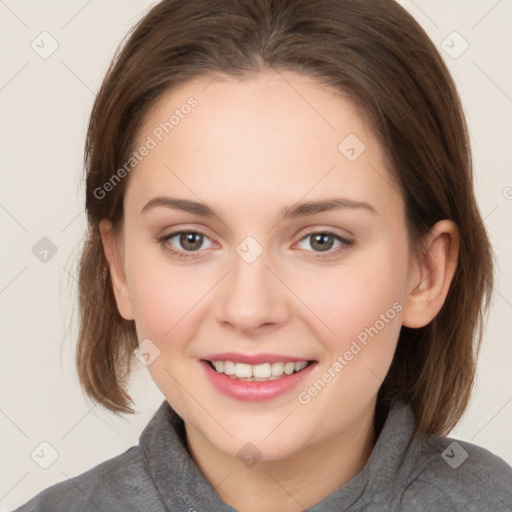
x=158, y=475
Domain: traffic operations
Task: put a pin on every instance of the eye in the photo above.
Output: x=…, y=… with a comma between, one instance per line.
x=190, y=241
x=324, y=241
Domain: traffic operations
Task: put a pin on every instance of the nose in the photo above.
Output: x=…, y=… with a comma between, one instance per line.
x=251, y=298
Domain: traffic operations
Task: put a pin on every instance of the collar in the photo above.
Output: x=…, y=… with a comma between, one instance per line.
x=182, y=485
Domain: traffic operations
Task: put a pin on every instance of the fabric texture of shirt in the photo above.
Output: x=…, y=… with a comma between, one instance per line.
x=439, y=474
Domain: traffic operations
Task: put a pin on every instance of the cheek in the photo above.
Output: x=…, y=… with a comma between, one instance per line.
x=359, y=304
x=341, y=301
x=360, y=311
x=352, y=296
x=162, y=294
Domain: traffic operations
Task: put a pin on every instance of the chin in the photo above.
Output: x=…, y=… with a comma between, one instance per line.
x=270, y=445
x=261, y=450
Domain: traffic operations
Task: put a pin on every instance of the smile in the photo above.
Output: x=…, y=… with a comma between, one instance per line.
x=259, y=372
x=269, y=378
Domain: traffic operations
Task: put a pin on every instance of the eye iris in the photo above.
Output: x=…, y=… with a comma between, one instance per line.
x=196, y=239
x=320, y=238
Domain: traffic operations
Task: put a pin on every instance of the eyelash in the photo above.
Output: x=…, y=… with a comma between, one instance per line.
x=347, y=244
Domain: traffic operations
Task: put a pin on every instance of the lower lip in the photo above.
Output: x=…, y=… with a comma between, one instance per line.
x=255, y=391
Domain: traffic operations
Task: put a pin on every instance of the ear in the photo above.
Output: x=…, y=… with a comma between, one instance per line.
x=433, y=271
x=112, y=246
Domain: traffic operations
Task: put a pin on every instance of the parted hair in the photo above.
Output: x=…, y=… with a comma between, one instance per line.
x=377, y=55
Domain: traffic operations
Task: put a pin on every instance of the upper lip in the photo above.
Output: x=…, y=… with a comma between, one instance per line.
x=254, y=359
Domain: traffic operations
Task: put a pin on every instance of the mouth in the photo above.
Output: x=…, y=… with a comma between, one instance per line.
x=263, y=372
x=256, y=378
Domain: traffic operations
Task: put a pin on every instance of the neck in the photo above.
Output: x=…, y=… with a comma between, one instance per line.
x=295, y=483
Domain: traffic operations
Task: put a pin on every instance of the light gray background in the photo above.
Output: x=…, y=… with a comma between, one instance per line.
x=45, y=104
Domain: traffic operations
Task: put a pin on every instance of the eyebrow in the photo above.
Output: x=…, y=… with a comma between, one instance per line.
x=288, y=212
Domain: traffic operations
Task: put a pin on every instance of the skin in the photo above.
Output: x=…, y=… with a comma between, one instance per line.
x=250, y=148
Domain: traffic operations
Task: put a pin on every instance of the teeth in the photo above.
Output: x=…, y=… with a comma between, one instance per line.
x=288, y=368
x=277, y=369
x=229, y=368
x=262, y=371
x=258, y=372
x=300, y=366
x=243, y=370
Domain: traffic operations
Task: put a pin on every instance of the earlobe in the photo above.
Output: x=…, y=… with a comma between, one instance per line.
x=433, y=274
x=113, y=254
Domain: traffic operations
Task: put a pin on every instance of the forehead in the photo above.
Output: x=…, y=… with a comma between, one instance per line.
x=281, y=136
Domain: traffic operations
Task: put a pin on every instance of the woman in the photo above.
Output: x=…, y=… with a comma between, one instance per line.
x=283, y=229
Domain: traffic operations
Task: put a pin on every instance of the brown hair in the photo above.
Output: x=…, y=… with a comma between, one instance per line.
x=375, y=53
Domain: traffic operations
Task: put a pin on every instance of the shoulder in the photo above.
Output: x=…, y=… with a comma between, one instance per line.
x=454, y=475
x=118, y=484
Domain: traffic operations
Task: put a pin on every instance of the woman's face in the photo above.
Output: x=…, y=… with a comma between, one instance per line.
x=266, y=278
